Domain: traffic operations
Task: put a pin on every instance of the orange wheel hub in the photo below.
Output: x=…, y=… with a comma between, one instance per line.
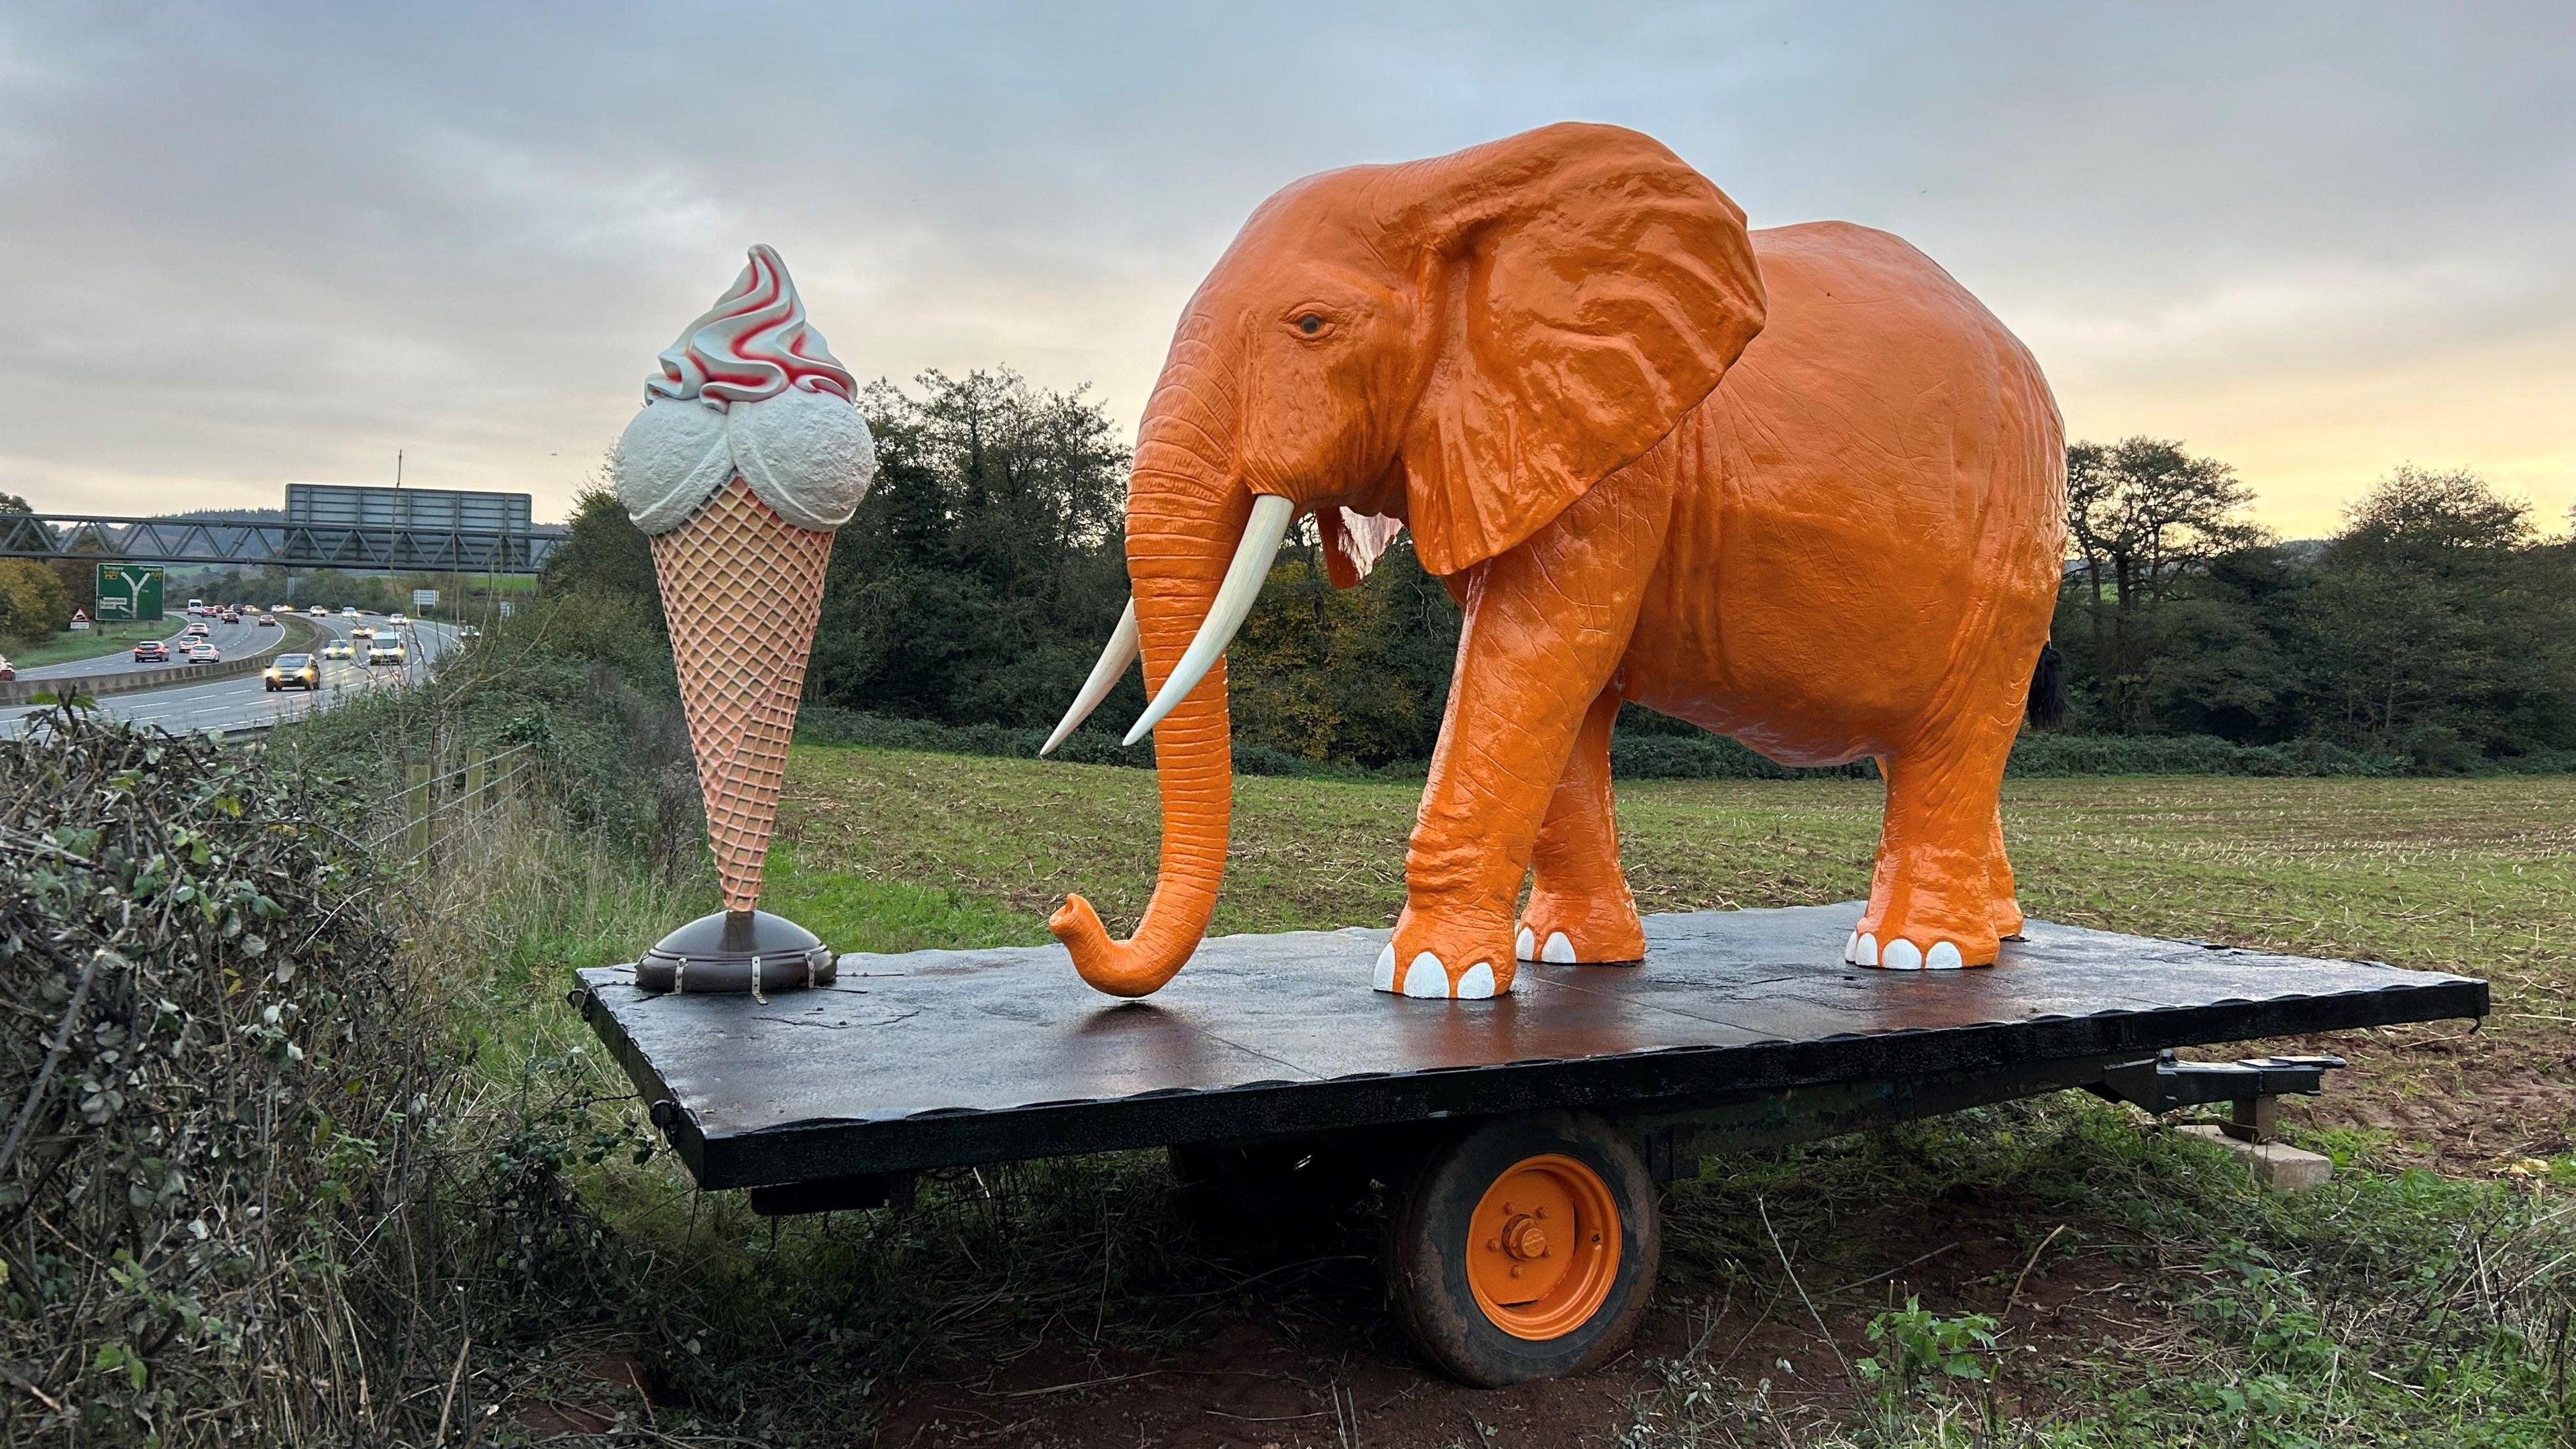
x=1543, y=1247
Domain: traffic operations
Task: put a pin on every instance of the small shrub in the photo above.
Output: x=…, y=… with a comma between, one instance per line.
x=1915, y=1345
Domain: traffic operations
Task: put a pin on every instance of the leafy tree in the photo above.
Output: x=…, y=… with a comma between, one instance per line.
x=603, y=551
x=2145, y=516
x=2221, y=664
x=33, y=605
x=987, y=564
x=1358, y=675
x=2438, y=628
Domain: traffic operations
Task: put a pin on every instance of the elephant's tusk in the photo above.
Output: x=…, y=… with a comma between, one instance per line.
x=1115, y=656
x=1234, y=600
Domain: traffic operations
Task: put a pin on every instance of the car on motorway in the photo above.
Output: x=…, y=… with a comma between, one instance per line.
x=384, y=651
x=338, y=649
x=281, y=608
x=362, y=632
x=318, y=612
x=196, y=629
x=348, y=612
x=292, y=671
x=203, y=652
x=230, y=616
x=151, y=651
x=8, y=671
x=468, y=631
x=268, y=621
x=399, y=621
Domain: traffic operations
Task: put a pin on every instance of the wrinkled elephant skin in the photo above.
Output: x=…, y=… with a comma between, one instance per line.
x=1795, y=486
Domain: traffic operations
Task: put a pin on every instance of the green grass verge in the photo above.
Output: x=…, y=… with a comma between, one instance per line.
x=97, y=640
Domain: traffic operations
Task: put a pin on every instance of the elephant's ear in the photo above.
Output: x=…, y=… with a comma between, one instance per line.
x=1586, y=289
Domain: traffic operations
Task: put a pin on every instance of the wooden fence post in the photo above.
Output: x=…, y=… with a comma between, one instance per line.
x=416, y=808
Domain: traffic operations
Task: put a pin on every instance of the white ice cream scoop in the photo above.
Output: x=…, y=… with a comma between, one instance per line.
x=749, y=388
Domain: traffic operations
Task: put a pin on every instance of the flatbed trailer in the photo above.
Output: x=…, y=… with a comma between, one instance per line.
x=1521, y=1139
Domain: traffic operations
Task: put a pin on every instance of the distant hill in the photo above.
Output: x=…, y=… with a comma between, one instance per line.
x=244, y=515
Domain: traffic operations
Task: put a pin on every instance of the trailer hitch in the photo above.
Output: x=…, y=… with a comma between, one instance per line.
x=2253, y=1086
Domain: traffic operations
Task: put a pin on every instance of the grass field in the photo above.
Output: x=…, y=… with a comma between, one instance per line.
x=2052, y=1272
x=2476, y=876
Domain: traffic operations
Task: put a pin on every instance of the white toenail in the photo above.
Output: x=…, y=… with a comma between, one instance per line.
x=1851, y=946
x=1559, y=949
x=1476, y=982
x=1527, y=946
x=1384, y=979
x=1902, y=955
x=1865, y=950
x=1426, y=977
x=1944, y=957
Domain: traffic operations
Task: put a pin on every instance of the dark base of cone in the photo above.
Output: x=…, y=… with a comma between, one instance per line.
x=736, y=951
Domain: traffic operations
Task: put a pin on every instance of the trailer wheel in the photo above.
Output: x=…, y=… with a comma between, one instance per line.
x=1524, y=1248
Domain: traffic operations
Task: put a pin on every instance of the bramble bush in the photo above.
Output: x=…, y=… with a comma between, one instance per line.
x=219, y=1087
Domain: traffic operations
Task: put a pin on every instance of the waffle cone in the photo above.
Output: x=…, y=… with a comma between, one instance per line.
x=741, y=588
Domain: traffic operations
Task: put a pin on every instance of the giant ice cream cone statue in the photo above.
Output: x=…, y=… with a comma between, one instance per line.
x=749, y=452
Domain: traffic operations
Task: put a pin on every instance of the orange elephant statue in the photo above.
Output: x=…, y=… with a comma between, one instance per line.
x=1795, y=486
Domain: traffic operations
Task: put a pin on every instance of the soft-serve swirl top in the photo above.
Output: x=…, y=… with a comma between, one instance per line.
x=753, y=343
x=750, y=389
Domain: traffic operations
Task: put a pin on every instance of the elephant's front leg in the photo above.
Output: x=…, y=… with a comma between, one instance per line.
x=1546, y=625
x=1579, y=907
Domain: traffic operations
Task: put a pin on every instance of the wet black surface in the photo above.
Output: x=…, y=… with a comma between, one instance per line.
x=943, y=1058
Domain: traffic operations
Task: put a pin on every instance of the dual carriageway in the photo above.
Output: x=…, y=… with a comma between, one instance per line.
x=243, y=702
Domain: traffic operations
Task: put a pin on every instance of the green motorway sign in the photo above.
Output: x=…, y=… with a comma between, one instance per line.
x=129, y=592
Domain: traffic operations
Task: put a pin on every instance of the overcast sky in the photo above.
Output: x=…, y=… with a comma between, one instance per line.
x=246, y=246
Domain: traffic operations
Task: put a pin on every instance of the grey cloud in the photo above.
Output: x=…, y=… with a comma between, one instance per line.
x=245, y=245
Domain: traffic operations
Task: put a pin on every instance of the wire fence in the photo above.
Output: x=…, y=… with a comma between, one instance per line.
x=442, y=806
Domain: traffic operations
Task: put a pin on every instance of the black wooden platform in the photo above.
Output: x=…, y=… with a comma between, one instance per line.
x=950, y=1058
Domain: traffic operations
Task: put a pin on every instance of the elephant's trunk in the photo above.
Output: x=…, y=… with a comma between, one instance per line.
x=1185, y=516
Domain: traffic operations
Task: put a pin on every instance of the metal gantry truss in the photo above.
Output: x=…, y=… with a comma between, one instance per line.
x=265, y=543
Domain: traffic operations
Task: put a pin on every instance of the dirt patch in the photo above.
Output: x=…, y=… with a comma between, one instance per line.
x=1330, y=1371
x=2459, y=1099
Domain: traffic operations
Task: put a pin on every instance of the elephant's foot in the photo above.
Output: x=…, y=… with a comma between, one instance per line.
x=2008, y=918
x=1923, y=940
x=1596, y=930
x=1429, y=957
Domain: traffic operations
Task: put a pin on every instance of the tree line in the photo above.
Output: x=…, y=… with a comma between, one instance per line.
x=2437, y=626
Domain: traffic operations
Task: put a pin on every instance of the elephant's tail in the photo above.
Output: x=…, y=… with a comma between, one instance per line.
x=2047, y=708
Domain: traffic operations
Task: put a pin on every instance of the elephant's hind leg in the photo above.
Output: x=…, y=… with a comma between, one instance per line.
x=1579, y=908
x=2003, y=901
x=1931, y=902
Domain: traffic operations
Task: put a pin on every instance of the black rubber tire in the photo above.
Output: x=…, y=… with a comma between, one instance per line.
x=1426, y=1263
